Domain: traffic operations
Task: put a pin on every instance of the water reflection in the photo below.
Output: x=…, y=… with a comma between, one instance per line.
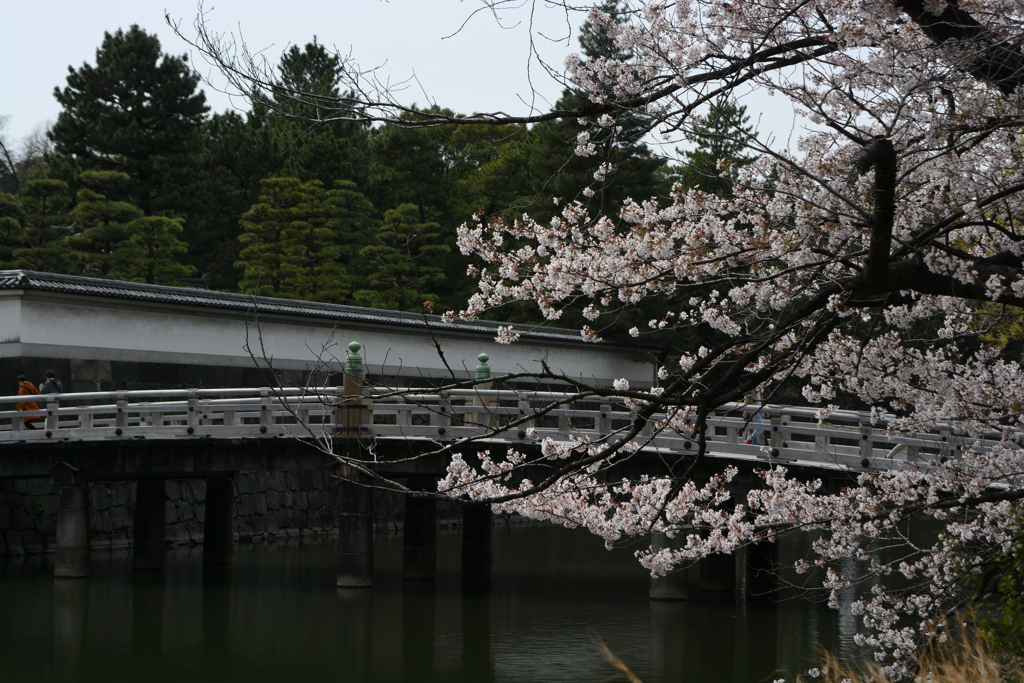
x=70, y=614
x=277, y=616
x=477, y=659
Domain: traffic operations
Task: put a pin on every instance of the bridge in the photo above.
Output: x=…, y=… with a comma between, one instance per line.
x=153, y=435
x=122, y=348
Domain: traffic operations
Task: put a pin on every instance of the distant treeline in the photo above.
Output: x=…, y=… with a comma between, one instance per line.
x=137, y=181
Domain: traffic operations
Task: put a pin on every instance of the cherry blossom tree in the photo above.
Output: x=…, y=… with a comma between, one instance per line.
x=865, y=257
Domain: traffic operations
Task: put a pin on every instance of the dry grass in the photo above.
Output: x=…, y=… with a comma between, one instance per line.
x=961, y=661
x=617, y=663
x=966, y=661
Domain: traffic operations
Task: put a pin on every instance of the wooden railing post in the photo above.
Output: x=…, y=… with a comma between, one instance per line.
x=732, y=434
x=355, y=517
x=564, y=421
x=785, y=435
x=487, y=419
x=946, y=450
x=821, y=443
x=352, y=407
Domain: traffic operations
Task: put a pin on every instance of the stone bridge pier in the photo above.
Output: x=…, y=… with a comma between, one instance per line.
x=419, y=536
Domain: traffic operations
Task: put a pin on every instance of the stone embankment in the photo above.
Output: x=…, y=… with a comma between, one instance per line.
x=268, y=506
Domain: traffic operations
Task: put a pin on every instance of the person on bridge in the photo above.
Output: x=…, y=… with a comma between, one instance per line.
x=758, y=417
x=52, y=385
x=26, y=388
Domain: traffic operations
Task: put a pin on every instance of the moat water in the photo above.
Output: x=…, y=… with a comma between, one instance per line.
x=554, y=596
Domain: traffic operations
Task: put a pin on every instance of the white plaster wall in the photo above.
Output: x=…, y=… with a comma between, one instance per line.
x=10, y=318
x=110, y=329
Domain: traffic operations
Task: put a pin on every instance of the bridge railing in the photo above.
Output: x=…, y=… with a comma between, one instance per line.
x=218, y=413
x=847, y=440
x=793, y=434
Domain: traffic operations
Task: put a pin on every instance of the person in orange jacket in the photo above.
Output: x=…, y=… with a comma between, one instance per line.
x=26, y=388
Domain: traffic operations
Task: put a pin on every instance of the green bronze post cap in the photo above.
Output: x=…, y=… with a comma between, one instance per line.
x=354, y=362
x=483, y=371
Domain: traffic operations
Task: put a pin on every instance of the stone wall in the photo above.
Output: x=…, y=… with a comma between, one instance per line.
x=268, y=505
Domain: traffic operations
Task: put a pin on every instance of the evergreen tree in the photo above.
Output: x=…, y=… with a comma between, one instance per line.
x=262, y=237
x=409, y=167
x=720, y=138
x=311, y=266
x=308, y=90
x=355, y=218
x=560, y=173
x=102, y=219
x=152, y=252
x=489, y=168
x=403, y=262
x=298, y=238
x=238, y=153
x=45, y=226
x=9, y=180
x=139, y=112
x=489, y=174
x=12, y=213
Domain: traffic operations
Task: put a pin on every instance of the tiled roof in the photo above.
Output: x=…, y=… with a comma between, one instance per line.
x=186, y=296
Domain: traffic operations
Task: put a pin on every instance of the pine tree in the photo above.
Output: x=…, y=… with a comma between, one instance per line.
x=720, y=138
x=403, y=263
x=489, y=167
x=152, y=252
x=355, y=219
x=262, y=236
x=560, y=173
x=311, y=266
x=102, y=220
x=12, y=213
x=45, y=226
x=136, y=111
x=298, y=238
x=238, y=153
x=409, y=167
x=308, y=90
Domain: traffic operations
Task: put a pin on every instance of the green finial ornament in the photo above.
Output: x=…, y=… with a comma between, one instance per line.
x=483, y=371
x=354, y=362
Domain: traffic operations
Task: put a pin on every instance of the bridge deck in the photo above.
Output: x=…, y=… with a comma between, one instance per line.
x=847, y=441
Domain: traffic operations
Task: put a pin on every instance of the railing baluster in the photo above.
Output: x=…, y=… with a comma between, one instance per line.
x=525, y=409
x=52, y=412
x=785, y=434
x=121, y=418
x=821, y=442
x=193, y=410
x=866, y=446
x=266, y=410
x=444, y=412
x=775, y=435
x=604, y=421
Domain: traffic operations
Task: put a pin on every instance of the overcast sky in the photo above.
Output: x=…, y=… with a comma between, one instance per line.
x=483, y=67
